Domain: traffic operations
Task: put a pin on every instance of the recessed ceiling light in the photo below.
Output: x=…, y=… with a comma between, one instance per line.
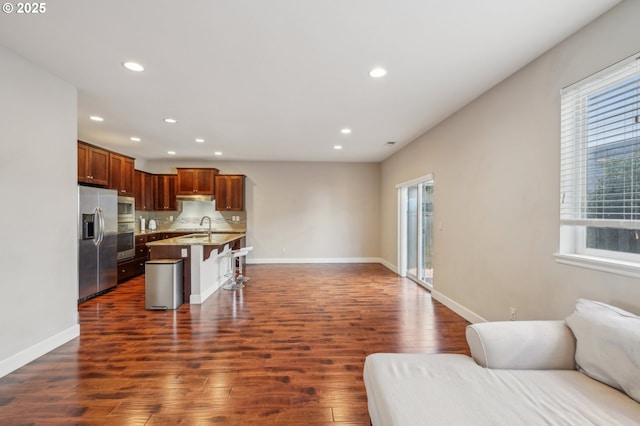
x=170, y=120
x=96, y=118
x=135, y=138
x=337, y=147
x=218, y=153
x=345, y=131
x=378, y=72
x=133, y=66
x=171, y=152
x=199, y=140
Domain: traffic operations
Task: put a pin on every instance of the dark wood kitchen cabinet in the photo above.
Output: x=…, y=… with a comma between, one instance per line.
x=196, y=181
x=121, y=173
x=164, y=192
x=143, y=190
x=229, y=192
x=133, y=267
x=93, y=164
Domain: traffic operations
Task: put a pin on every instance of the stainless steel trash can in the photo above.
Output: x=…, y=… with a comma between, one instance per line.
x=163, y=284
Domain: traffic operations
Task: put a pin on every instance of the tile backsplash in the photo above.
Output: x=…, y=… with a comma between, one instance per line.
x=190, y=215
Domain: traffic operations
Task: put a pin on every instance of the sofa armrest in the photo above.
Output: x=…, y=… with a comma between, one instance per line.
x=522, y=345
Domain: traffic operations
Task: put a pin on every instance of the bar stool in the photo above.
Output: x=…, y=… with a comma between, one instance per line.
x=237, y=281
x=240, y=253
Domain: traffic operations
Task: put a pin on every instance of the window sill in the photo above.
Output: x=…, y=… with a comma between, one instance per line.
x=619, y=267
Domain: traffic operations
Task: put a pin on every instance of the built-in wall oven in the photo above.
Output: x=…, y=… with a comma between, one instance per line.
x=126, y=227
x=126, y=240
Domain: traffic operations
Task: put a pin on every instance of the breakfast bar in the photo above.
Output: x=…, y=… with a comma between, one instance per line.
x=207, y=264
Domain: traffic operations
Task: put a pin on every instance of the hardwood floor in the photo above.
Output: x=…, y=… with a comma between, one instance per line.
x=287, y=349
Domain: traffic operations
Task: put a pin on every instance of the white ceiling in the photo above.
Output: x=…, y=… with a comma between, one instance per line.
x=278, y=79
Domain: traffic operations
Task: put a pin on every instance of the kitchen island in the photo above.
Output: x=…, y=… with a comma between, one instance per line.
x=207, y=264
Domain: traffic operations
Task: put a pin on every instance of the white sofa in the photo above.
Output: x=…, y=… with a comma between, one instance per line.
x=520, y=373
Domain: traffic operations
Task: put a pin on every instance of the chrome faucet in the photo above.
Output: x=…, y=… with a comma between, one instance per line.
x=202, y=221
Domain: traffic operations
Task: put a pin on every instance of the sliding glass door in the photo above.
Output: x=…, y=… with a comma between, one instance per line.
x=416, y=239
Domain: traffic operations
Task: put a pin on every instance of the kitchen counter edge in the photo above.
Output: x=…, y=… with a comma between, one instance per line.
x=217, y=239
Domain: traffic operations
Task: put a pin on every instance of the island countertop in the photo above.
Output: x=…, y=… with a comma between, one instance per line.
x=205, y=267
x=200, y=238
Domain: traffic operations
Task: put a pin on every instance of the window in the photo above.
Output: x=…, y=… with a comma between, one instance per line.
x=600, y=169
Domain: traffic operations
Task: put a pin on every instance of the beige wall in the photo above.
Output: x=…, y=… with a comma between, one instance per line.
x=305, y=211
x=496, y=174
x=496, y=194
x=38, y=254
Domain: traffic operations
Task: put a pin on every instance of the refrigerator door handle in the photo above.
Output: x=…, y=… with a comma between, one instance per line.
x=100, y=234
x=101, y=224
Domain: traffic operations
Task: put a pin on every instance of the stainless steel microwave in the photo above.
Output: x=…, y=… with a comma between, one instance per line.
x=126, y=209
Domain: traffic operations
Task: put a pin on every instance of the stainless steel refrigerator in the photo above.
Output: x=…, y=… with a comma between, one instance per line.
x=97, y=240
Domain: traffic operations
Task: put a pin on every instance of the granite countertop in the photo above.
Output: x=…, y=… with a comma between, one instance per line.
x=199, y=238
x=193, y=230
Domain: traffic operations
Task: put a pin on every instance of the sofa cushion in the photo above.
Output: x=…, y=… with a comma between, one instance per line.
x=451, y=389
x=607, y=345
x=522, y=345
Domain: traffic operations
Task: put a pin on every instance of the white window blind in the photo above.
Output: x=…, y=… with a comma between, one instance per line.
x=600, y=149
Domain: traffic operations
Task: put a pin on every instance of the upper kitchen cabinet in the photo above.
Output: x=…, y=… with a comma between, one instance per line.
x=121, y=173
x=164, y=192
x=93, y=164
x=196, y=181
x=229, y=192
x=143, y=190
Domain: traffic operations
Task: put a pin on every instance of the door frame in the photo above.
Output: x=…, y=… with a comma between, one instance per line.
x=402, y=226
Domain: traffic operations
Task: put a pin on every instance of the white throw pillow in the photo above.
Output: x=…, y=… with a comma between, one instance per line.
x=607, y=345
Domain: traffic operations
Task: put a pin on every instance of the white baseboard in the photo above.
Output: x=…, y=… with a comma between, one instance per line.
x=389, y=266
x=36, y=351
x=276, y=260
x=198, y=299
x=465, y=313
